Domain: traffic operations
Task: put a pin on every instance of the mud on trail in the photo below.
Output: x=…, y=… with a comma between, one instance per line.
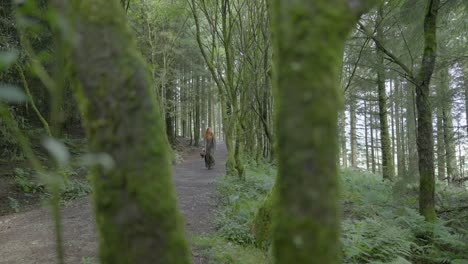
x=28, y=238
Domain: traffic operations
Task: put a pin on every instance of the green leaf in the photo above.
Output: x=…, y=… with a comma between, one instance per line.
x=7, y=59
x=11, y=94
x=57, y=150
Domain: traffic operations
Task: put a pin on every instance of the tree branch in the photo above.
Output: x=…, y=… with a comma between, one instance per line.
x=387, y=52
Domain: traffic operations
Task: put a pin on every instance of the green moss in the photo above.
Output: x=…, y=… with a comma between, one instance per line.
x=135, y=202
x=261, y=226
x=308, y=48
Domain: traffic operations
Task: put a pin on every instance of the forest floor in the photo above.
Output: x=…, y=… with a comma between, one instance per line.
x=29, y=237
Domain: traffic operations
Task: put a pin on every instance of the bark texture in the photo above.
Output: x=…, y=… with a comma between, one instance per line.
x=425, y=140
x=135, y=203
x=306, y=209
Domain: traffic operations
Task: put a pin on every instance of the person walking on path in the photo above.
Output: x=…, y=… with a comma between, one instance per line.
x=210, y=146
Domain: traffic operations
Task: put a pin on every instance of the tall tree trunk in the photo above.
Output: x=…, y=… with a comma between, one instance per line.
x=392, y=121
x=465, y=83
x=366, y=136
x=197, y=126
x=398, y=131
x=344, y=150
x=403, y=135
x=135, y=202
x=229, y=134
x=184, y=101
x=372, y=139
x=210, y=105
x=169, y=113
x=203, y=104
x=413, y=171
x=388, y=171
x=308, y=99
x=424, y=138
x=440, y=144
x=352, y=131
x=449, y=136
x=377, y=153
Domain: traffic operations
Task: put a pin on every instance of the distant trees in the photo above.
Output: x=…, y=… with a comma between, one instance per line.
x=405, y=59
x=233, y=38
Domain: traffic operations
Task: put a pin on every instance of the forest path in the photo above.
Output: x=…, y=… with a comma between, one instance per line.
x=28, y=237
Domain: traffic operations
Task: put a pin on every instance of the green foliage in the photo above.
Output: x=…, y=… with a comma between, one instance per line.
x=88, y=260
x=382, y=225
x=70, y=187
x=9, y=148
x=219, y=250
x=240, y=200
x=74, y=188
x=176, y=157
x=14, y=204
x=261, y=227
x=25, y=181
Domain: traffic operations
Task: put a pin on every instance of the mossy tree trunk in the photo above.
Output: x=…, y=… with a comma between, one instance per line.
x=308, y=97
x=135, y=203
x=425, y=139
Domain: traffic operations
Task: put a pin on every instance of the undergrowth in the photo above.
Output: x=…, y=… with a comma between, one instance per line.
x=72, y=186
x=381, y=223
x=219, y=250
x=238, y=202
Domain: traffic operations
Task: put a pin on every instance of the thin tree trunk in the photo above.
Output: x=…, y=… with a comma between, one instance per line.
x=413, y=171
x=366, y=136
x=440, y=144
x=210, y=105
x=196, y=127
x=344, y=150
x=447, y=118
x=388, y=171
x=398, y=131
x=33, y=104
x=352, y=132
x=169, y=113
x=372, y=139
x=465, y=83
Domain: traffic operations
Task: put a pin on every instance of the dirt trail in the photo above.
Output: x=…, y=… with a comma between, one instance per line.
x=28, y=238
